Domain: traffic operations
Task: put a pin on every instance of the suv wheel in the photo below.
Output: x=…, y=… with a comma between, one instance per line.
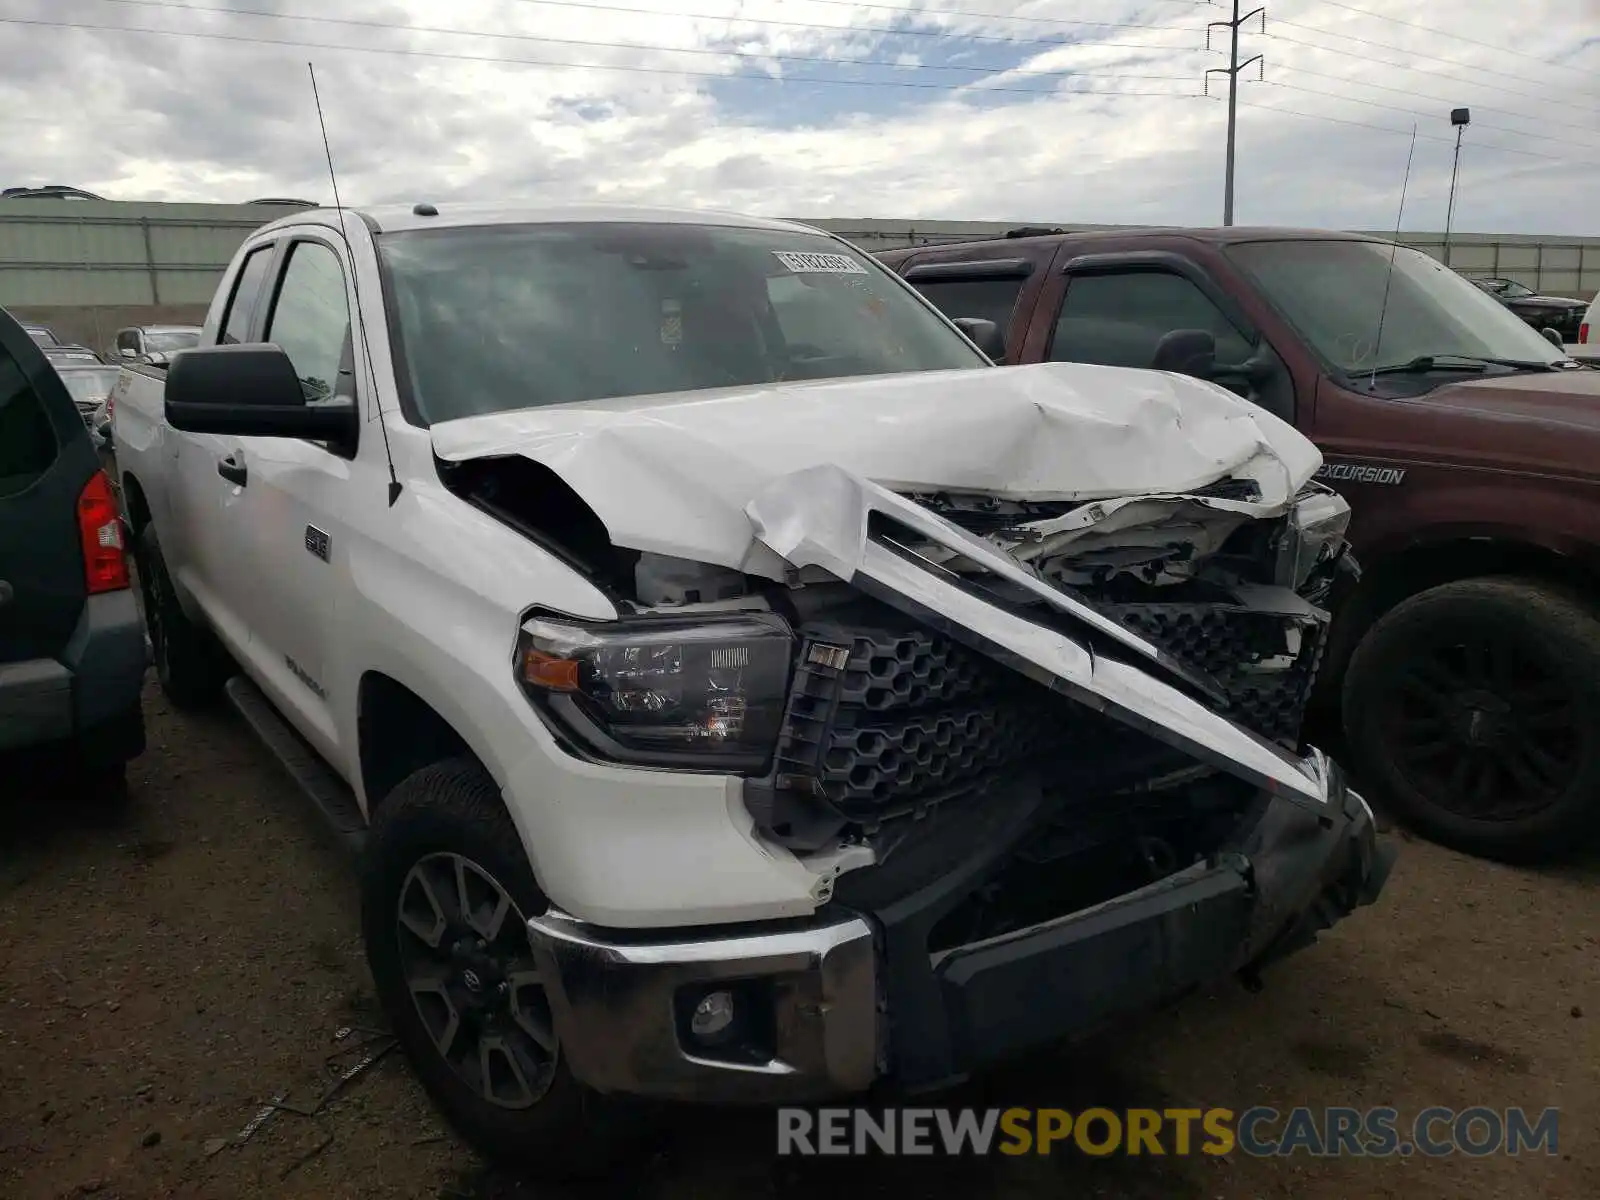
x=1470, y=710
x=446, y=892
x=190, y=664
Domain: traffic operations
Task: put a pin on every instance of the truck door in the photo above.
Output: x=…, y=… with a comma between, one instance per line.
x=288, y=540
x=1114, y=309
x=200, y=553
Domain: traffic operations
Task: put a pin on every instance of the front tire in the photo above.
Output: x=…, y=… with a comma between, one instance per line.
x=446, y=891
x=1470, y=710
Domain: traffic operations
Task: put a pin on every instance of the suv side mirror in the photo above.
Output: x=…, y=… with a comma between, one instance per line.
x=1553, y=337
x=250, y=390
x=984, y=334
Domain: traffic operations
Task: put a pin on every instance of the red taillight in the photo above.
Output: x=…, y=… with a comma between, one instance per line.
x=1583, y=334
x=100, y=525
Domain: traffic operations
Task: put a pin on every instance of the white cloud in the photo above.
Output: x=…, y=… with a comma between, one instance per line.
x=136, y=115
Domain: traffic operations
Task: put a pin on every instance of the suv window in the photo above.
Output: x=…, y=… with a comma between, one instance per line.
x=991, y=299
x=236, y=320
x=310, y=319
x=27, y=441
x=128, y=339
x=1116, y=320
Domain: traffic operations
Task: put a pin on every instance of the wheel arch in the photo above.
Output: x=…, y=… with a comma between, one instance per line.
x=399, y=732
x=135, y=504
x=1388, y=577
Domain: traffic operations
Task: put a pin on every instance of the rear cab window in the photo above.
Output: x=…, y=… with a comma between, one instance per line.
x=235, y=324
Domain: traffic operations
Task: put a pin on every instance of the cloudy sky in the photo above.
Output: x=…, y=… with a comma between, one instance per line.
x=1040, y=110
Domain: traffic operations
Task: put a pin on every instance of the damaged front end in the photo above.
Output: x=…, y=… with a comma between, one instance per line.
x=1042, y=757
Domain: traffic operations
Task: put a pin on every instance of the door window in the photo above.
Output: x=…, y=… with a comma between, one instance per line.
x=27, y=441
x=1116, y=320
x=236, y=320
x=311, y=322
x=991, y=299
x=128, y=339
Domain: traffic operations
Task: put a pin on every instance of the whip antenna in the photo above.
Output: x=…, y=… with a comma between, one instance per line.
x=355, y=284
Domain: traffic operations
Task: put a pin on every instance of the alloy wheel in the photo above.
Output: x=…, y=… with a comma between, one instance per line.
x=466, y=961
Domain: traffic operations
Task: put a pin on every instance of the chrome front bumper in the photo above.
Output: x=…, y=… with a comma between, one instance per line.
x=617, y=1006
x=832, y=990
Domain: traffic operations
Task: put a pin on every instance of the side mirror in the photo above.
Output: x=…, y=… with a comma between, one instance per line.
x=984, y=334
x=250, y=390
x=1554, y=338
x=1186, y=351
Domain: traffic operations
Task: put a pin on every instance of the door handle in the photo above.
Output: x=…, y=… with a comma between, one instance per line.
x=233, y=470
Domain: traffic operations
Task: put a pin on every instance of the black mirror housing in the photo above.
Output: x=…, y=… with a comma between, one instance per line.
x=984, y=334
x=250, y=390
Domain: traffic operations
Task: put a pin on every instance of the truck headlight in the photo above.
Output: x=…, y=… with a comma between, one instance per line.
x=1313, y=533
x=694, y=692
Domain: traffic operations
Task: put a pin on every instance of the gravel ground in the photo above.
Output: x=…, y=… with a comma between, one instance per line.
x=171, y=966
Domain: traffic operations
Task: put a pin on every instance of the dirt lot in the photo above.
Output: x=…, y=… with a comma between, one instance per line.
x=168, y=969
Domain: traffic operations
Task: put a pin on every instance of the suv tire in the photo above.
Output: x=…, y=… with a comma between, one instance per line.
x=439, y=818
x=1470, y=709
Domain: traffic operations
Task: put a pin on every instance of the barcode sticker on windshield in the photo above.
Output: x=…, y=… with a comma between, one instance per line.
x=808, y=262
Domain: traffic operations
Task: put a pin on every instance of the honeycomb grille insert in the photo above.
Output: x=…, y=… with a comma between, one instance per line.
x=911, y=718
x=1231, y=646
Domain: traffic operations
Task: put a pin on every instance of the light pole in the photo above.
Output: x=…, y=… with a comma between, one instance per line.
x=1460, y=118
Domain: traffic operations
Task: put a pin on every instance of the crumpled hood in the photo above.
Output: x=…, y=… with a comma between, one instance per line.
x=673, y=474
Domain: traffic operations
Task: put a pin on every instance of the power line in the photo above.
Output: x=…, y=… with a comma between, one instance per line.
x=747, y=55
x=1543, y=137
x=1434, y=29
x=1291, y=112
x=572, y=66
x=1437, y=74
x=976, y=16
x=1587, y=127
x=736, y=19
x=1407, y=51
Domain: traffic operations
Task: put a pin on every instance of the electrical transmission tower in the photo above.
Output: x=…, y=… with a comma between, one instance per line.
x=1232, y=72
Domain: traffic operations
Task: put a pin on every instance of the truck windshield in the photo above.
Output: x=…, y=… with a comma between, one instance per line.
x=492, y=318
x=1332, y=291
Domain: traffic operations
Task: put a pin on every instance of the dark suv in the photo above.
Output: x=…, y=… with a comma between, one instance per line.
x=72, y=644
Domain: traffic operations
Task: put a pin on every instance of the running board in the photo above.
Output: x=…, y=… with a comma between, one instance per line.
x=332, y=796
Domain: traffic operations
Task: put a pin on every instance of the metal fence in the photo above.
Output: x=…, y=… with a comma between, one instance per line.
x=75, y=255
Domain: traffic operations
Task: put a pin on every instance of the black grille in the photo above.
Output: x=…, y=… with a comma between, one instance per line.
x=908, y=719
x=1227, y=644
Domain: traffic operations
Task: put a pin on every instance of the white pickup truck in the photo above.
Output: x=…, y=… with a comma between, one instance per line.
x=738, y=688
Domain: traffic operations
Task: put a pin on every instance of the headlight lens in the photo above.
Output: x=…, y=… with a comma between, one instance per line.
x=1313, y=533
x=704, y=691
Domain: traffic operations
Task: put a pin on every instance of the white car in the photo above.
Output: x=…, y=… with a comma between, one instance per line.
x=1587, y=348
x=738, y=688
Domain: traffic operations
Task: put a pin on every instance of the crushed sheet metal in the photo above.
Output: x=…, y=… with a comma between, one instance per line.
x=818, y=518
x=672, y=474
